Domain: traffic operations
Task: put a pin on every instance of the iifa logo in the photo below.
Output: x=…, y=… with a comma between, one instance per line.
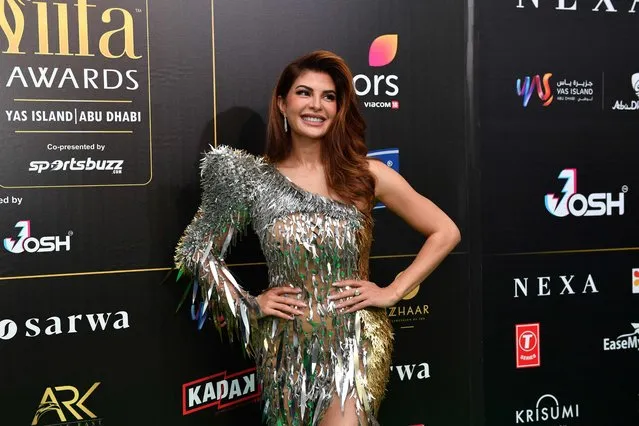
x=574, y=204
x=52, y=403
x=390, y=157
x=29, y=244
x=381, y=53
x=529, y=85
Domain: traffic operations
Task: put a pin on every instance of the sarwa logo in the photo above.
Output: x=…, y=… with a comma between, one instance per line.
x=75, y=411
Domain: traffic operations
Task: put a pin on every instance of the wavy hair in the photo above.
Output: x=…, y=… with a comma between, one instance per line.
x=343, y=147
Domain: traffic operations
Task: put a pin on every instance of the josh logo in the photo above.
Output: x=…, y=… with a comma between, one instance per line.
x=546, y=286
x=624, y=341
x=67, y=325
x=631, y=105
x=573, y=203
x=574, y=5
x=29, y=244
x=529, y=85
x=407, y=372
x=66, y=405
x=527, y=341
x=390, y=157
x=546, y=410
x=635, y=281
x=220, y=390
x=381, y=53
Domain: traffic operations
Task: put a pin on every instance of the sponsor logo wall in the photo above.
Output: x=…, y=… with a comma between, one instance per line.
x=556, y=124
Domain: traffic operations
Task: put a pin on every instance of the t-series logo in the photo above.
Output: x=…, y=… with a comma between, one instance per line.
x=381, y=53
x=574, y=5
x=574, y=204
x=29, y=244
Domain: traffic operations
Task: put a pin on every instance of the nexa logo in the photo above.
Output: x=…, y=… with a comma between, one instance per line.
x=55, y=325
x=407, y=371
x=74, y=403
x=574, y=204
x=220, y=390
x=381, y=53
x=574, y=5
x=544, y=286
x=31, y=244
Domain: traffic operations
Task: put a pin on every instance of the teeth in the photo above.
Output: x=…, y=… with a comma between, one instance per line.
x=314, y=119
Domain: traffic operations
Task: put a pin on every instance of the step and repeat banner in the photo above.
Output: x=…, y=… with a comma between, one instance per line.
x=106, y=107
x=558, y=104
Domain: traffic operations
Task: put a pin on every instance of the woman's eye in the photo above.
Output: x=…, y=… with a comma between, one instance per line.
x=330, y=97
x=302, y=93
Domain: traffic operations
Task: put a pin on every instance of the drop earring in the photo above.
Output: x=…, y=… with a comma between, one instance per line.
x=285, y=125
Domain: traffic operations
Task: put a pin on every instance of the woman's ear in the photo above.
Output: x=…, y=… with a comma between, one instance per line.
x=281, y=104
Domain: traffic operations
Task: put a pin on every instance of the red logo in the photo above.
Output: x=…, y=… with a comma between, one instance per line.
x=527, y=338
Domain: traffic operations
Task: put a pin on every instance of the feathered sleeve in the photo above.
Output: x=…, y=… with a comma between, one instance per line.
x=228, y=180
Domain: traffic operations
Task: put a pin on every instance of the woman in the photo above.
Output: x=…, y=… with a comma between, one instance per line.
x=319, y=333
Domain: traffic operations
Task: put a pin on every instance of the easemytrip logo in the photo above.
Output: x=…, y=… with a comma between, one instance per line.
x=546, y=410
x=221, y=390
x=623, y=342
x=75, y=411
x=72, y=324
x=29, y=244
x=390, y=157
x=529, y=85
x=113, y=166
x=380, y=54
x=631, y=105
x=573, y=203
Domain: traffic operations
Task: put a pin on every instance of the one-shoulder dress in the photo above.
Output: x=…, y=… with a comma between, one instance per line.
x=309, y=241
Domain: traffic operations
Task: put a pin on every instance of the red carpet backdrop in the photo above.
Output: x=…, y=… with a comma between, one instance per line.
x=517, y=117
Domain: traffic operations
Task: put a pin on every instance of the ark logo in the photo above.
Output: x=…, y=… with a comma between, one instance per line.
x=51, y=407
x=29, y=244
x=221, y=390
x=529, y=85
x=381, y=53
x=635, y=280
x=572, y=203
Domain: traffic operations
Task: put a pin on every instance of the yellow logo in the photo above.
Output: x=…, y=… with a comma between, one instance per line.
x=73, y=403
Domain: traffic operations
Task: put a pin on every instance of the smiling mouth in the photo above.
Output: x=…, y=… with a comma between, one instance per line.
x=313, y=119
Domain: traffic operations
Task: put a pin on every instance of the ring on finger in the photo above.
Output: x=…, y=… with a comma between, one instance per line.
x=357, y=293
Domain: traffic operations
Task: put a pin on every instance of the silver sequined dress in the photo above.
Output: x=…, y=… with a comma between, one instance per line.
x=309, y=242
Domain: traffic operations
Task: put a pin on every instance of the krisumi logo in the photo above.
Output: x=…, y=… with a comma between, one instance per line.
x=220, y=390
x=635, y=281
x=624, y=341
x=69, y=397
x=528, y=353
x=113, y=166
x=546, y=409
x=66, y=325
x=634, y=104
x=574, y=5
x=381, y=53
x=419, y=371
x=574, y=204
x=532, y=84
x=29, y=244
x=547, y=286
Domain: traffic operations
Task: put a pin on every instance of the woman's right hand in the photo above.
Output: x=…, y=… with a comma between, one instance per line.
x=281, y=302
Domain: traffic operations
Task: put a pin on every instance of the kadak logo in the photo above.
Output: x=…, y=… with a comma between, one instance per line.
x=51, y=412
x=30, y=244
x=572, y=203
x=381, y=53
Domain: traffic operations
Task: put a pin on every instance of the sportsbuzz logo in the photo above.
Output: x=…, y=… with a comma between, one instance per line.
x=380, y=54
x=113, y=166
x=30, y=244
x=572, y=203
x=66, y=406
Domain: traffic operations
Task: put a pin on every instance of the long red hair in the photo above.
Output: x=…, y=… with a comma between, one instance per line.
x=343, y=147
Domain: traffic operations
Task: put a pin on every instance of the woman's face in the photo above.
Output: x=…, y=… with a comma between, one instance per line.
x=310, y=105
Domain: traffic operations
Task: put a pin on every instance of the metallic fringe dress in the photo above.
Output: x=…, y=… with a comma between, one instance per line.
x=309, y=242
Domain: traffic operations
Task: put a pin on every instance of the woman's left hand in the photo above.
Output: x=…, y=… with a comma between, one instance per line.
x=362, y=294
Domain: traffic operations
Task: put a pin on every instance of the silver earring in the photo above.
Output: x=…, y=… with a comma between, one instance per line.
x=285, y=125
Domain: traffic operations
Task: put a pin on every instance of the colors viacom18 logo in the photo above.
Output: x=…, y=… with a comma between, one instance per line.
x=378, y=90
x=74, y=88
